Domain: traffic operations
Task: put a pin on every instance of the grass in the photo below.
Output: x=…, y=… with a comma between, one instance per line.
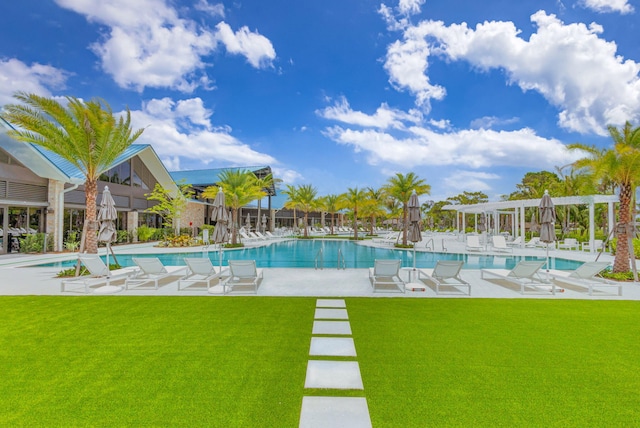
x=241, y=361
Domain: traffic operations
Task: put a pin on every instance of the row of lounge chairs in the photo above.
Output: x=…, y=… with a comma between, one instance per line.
x=241, y=275
x=526, y=275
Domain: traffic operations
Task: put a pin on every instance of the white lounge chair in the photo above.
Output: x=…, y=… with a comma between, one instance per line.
x=150, y=270
x=569, y=244
x=525, y=274
x=99, y=274
x=389, y=238
x=516, y=242
x=534, y=242
x=245, y=237
x=446, y=274
x=586, y=276
x=385, y=276
x=200, y=270
x=473, y=243
x=598, y=245
x=243, y=274
x=500, y=244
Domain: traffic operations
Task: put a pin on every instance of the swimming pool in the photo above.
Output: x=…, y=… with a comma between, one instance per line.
x=302, y=254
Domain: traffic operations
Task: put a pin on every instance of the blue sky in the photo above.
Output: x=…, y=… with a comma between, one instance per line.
x=468, y=95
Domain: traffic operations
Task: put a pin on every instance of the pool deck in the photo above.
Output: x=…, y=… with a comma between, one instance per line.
x=16, y=279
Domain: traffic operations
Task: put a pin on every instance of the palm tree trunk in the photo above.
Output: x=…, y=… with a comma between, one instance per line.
x=234, y=222
x=621, y=261
x=306, y=221
x=91, y=238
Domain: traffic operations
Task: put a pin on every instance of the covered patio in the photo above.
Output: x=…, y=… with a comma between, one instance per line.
x=516, y=212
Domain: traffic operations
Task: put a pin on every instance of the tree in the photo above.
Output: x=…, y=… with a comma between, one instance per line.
x=400, y=187
x=240, y=187
x=354, y=198
x=332, y=204
x=292, y=202
x=374, y=206
x=469, y=198
x=265, y=183
x=86, y=134
x=620, y=165
x=169, y=207
x=534, y=184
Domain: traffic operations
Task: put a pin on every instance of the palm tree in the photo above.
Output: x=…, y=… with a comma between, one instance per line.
x=307, y=201
x=86, y=134
x=374, y=206
x=292, y=202
x=240, y=187
x=354, y=198
x=332, y=204
x=265, y=183
x=400, y=187
x=621, y=165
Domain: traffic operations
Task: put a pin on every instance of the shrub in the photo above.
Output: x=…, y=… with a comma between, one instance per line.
x=145, y=233
x=123, y=236
x=636, y=246
x=33, y=243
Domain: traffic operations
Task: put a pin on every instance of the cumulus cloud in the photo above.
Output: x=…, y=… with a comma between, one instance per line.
x=384, y=117
x=488, y=122
x=183, y=130
x=608, y=6
x=255, y=47
x=149, y=45
x=471, y=181
x=471, y=148
x=568, y=64
x=36, y=78
x=214, y=10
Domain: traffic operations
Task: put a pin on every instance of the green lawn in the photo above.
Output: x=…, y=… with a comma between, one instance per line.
x=241, y=361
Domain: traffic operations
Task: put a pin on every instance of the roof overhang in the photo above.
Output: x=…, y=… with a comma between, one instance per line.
x=512, y=205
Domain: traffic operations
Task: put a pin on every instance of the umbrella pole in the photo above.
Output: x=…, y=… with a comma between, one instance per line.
x=107, y=260
x=414, y=262
x=547, y=261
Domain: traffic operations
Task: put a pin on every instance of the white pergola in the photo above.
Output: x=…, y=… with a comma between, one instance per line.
x=516, y=209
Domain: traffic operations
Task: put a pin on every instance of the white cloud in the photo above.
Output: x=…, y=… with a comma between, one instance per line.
x=471, y=181
x=608, y=6
x=471, y=148
x=148, y=45
x=384, y=117
x=214, y=10
x=488, y=122
x=182, y=130
x=570, y=65
x=410, y=7
x=288, y=176
x=255, y=47
x=36, y=78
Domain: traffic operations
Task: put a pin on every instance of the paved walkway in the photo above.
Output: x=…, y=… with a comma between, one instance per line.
x=17, y=279
x=331, y=338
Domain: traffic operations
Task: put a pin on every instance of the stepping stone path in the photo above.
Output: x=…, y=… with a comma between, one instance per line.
x=331, y=321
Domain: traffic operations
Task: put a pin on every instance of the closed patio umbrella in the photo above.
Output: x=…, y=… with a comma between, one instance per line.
x=248, y=222
x=220, y=215
x=547, y=222
x=107, y=233
x=264, y=222
x=414, y=224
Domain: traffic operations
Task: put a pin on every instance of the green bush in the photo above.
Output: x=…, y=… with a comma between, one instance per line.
x=123, y=236
x=146, y=233
x=34, y=243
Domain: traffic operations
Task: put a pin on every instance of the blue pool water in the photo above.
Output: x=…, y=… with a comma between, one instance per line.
x=302, y=254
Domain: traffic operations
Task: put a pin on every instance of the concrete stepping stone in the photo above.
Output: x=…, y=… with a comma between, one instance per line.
x=337, y=314
x=330, y=303
x=322, y=412
x=333, y=346
x=333, y=375
x=331, y=327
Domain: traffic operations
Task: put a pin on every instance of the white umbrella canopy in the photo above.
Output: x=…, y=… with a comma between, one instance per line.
x=264, y=222
x=107, y=215
x=220, y=215
x=414, y=223
x=547, y=222
x=248, y=222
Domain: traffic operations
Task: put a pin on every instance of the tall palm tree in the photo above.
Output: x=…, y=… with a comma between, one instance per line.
x=621, y=165
x=265, y=183
x=240, y=188
x=400, y=187
x=355, y=198
x=85, y=133
x=332, y=204
x=292, y=202
x=307, y=201
x=374, y=206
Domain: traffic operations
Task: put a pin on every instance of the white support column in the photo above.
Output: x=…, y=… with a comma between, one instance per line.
x=592, y=225
x=611, y=218
x=523, y=229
